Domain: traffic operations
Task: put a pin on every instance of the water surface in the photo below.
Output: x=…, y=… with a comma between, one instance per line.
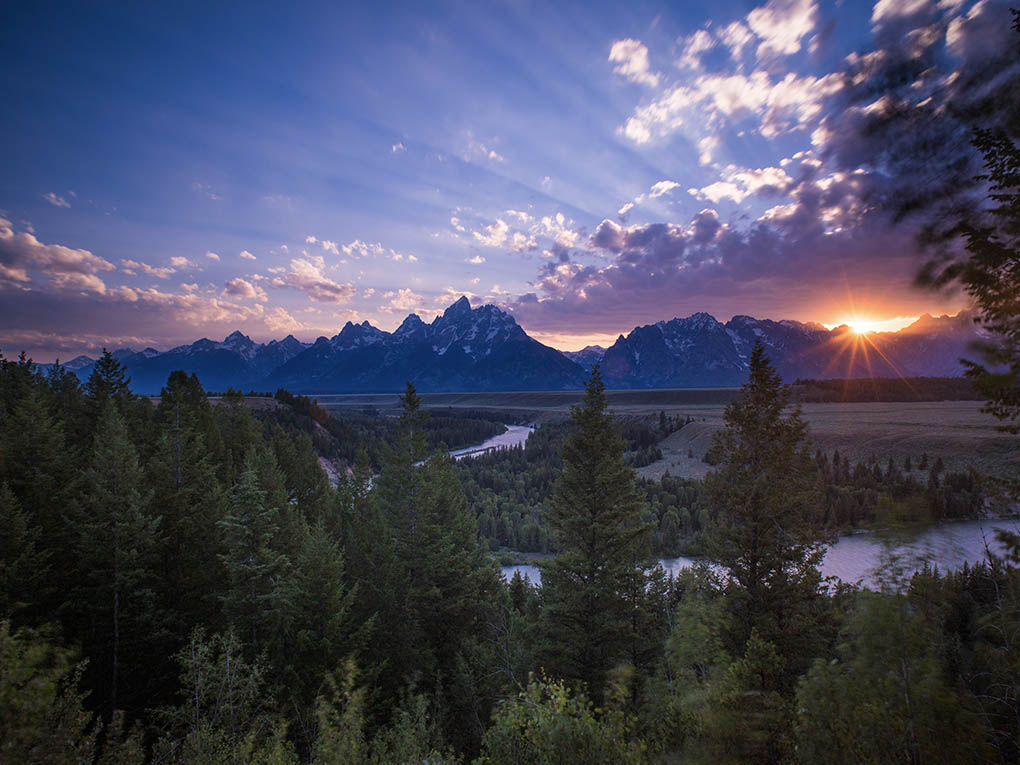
x=857, y=557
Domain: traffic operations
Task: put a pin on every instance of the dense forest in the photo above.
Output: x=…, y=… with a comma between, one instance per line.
x=508, y=489
x=180, y=582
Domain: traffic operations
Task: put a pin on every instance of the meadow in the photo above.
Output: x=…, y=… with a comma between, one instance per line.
x=956, y=431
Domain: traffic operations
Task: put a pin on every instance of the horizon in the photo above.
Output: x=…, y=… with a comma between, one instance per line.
x=586, y=172
x=891, y=326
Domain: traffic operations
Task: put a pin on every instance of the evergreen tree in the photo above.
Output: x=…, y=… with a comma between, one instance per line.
x=255, y=600
x=187, y=493
x=768, y=512
x=34, y=465
x=108, y=381
x=444, y=588
x=321, y=634
x=24, y=569
x=595, y=514
x=42, y=712
x=116, y=540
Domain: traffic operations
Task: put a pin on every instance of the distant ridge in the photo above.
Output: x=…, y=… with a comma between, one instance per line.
x=484, y=349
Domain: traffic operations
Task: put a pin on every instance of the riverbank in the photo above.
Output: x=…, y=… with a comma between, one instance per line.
x=870, y=558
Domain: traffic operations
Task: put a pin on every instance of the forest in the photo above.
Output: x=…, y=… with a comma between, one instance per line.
x=180, y=582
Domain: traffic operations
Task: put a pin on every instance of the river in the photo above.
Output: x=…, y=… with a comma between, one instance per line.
x=856, y=558
x=515, y=435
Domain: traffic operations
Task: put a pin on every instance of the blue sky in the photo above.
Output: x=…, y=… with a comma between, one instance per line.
x=177, y=171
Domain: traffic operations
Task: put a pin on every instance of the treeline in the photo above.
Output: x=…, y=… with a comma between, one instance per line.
x=180, y=583
x=508, y=490
x=888, y=389
x=340, y=433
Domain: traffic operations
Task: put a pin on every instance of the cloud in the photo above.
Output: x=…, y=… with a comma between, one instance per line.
x=495, y=234
x=662, y=187
x=793, y=102
x=65, y=267
x=476, y=260
x=245, y=255
x=892, y=9
x=631, y=59
x=131, y=267
x=475, y=149
x=398, y=148
x=279, y=321
x=189, y=287
x=211, y=255
x=54, y=200
x=736, y=36
x=306, y=275
x=782, y=24
x=657, y=190
x=240, y=288
x=206, y=191
x=181, y=263
x=693, y=47
x=401, y=300
x=740, y=183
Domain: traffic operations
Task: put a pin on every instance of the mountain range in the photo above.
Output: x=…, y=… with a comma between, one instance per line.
x=485, y=349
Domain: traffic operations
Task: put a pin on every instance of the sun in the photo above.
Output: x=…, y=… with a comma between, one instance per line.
x=862, y=326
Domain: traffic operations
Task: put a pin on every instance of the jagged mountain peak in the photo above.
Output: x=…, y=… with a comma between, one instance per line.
x=460, y=307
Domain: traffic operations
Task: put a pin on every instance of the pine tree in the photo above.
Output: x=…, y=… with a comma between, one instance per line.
x=187, y=493
x=595, y=513
x=255, y=600
x=444, y=587
x=116, y=540
x=24, y=569
x=768, y=510
x=107, y=381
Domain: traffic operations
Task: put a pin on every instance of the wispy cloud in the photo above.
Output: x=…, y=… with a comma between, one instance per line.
x=56, y=201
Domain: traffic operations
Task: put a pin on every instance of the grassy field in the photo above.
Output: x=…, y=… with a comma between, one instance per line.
x=954, y=430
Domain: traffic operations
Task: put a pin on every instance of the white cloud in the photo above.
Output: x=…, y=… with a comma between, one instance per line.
x=368, y=293
x=67, y=268
x=736, y=37
x=55, y=200
x=891, y=9
x=401, y=300
x=782, y=24
x=476, y=260
x=189, y=287
x=662, y=187
x=706, y=147
x=306, y=275
x=239, y=288
x=131, y=267
x=631, y=59
x=278, y=320
x=693, y=47
x=495, y=234
x=780, y=105
x=246, y=255
x=625, y=209
x=740, y=183
x=398, y=148
x=211, y=255
x=358, y=248
x=180, y=263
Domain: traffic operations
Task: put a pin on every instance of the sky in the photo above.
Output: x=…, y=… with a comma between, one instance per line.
x=180, y=170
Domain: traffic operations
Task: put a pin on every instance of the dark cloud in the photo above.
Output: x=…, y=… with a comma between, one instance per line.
x=892, y=169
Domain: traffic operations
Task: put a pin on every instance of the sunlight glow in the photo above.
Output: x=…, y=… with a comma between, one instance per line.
x=863, y=325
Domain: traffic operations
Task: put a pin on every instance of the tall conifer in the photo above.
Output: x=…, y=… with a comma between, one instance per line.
x=589, y=586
